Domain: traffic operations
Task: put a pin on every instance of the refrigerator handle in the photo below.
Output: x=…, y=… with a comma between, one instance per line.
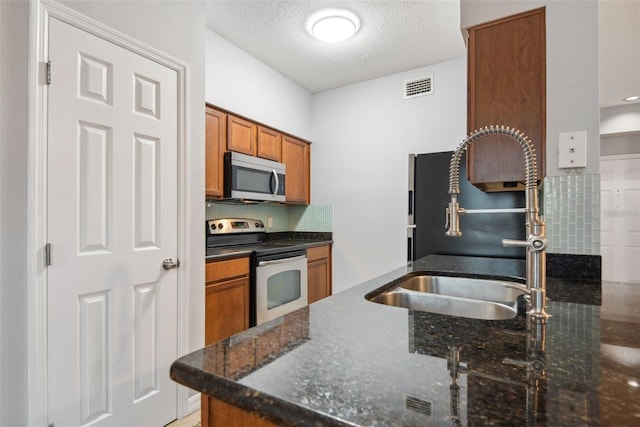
x=411, y=187
x=410, y=248
x=410, y=202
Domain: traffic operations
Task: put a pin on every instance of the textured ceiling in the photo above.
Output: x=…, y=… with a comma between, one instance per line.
x=398, y=35
x=394, y=36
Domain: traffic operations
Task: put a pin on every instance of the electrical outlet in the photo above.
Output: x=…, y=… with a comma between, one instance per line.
x=572, y=149
x=269, y=222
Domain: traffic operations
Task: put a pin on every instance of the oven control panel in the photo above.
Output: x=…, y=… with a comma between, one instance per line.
x=234, y=226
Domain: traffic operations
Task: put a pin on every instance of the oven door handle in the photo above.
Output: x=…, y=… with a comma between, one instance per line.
x=282, y=260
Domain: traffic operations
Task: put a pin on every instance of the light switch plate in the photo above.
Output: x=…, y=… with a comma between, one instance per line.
x=572, y=149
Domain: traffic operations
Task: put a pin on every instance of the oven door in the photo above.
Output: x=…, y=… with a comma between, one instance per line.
x=281, y=286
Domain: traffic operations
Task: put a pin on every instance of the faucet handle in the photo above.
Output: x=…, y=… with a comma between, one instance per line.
x=534, y=243
x=510, y=243
x=446, y=219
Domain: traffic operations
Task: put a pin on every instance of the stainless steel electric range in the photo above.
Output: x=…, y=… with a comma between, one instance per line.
x=278, y=268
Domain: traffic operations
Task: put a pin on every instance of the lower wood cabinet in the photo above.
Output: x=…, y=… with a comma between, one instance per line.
x=216, y=413
x=226, y=312
x=318, y=273
x=226, y=298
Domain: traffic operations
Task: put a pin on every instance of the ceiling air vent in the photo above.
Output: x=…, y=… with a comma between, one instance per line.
x=421, y=406
x=418, y=87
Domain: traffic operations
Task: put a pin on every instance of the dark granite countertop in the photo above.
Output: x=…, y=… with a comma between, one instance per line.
x=347, y=361
x=292, y=240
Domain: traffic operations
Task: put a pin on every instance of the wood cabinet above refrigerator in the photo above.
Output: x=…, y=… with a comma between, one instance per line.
x=506, y=78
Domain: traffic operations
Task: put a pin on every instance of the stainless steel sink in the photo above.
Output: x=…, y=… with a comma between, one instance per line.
x=454, y=296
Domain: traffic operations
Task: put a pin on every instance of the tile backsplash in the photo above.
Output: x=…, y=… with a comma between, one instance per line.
x=312, y=218
x=572, y=214
x=571, y=210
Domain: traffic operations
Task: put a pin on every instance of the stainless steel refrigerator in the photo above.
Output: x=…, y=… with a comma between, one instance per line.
x=482, y=233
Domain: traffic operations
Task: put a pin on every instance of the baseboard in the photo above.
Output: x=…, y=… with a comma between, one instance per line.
x=193, y=404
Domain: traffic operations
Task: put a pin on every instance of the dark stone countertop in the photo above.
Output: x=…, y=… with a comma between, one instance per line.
x=291, y=240
x=347, y=361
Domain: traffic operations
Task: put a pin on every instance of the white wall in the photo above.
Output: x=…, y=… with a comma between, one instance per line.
x=572, y=68
x=176, y=28
x=622, y=119
x=363, y=134
x=620, y=144
x=620, y=130
x=243, y=84
x=13, y=212
x=361, y=137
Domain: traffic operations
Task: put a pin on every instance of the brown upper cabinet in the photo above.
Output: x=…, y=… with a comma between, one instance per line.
x=296, y=155
x=506, y=86
x=269, y=144
x=228, y=132
x=242, y=135
x=215, y=146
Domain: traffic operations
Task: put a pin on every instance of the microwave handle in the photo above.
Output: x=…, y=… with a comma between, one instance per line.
x=275, y=188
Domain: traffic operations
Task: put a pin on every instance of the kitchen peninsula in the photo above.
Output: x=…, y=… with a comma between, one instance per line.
x=346, y=361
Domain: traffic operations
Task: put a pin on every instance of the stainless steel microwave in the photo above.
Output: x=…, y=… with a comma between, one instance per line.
x=253, y=178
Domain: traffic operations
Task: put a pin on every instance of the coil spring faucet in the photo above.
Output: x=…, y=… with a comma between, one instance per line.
x=536, y=242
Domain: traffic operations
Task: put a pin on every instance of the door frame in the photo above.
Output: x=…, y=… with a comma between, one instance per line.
x=632, y=156
x=37, y=215
x=621, y=156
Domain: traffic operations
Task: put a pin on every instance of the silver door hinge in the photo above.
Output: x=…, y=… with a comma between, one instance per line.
x=48, y=72
x=47, y=254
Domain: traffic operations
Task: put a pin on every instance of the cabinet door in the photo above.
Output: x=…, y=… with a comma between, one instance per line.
x=241, y=135
x=216, y=140
x=296, y=155
x=506, y=86
x=226, y=298
x=269, y=144
x=319, y=273
x=226, y=309
x=216, y=413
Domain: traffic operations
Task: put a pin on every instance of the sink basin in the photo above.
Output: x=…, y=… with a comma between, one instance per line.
x=464, y=287
x=454, y=296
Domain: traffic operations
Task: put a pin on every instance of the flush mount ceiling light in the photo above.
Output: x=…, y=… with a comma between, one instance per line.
x=333, y=25
x=631, y=98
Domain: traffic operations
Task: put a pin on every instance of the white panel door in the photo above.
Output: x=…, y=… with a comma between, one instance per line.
x=620, y=220
x=112, y=220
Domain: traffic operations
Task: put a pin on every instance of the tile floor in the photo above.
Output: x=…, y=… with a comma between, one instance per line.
x=192, y=420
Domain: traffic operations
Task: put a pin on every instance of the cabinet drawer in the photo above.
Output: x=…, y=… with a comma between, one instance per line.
x=319, y=252
x=227, y=269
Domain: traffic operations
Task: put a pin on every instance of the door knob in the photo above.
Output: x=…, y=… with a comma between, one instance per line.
x=170, y=264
